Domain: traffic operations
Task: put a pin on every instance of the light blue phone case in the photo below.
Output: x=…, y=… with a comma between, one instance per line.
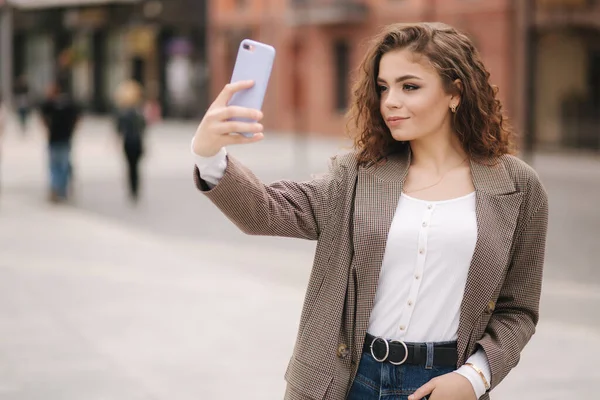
x=254, y=62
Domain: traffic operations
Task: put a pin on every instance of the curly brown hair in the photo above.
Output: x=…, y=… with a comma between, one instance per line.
x=478, y=121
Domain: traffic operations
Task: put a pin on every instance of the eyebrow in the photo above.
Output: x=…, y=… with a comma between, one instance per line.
x=401, y=78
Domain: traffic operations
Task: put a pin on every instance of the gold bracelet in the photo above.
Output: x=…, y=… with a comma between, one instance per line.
x=481, y=374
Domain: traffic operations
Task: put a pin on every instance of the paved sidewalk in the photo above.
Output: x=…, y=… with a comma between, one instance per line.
x=97, y=310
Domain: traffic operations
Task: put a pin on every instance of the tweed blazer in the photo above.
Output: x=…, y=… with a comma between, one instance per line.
x=349, y=212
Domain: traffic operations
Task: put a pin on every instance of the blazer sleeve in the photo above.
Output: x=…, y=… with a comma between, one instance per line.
x=516, y=313
x=283, y=208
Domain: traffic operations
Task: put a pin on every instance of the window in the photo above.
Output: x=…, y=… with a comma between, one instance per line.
x=341, y=52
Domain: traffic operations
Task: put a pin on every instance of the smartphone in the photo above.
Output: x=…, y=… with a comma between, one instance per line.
x=254, y=62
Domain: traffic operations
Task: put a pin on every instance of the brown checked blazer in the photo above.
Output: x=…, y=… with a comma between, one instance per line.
x=349, y=212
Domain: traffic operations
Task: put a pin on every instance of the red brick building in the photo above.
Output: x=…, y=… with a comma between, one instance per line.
x=320, y=42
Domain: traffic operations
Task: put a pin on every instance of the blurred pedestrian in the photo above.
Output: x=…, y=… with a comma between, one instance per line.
x=131, y=126
x=431, y=234
x=60, y=115
x=22, y=101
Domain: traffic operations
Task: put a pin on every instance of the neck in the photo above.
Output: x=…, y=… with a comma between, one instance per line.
x=437, y=153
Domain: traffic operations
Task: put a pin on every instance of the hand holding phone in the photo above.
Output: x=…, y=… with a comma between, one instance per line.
x=237, y=108
x=220, y=120
x=254, y=62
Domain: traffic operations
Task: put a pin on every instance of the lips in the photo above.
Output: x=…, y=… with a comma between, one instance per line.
x=395, y=122
x=394, y=119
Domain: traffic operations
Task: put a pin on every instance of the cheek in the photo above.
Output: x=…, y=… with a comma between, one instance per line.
x=430, y=109
x=422, y=103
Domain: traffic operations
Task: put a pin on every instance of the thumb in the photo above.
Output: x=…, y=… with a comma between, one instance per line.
x=422, y=391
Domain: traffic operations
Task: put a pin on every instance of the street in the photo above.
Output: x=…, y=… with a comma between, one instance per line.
x=101, y=299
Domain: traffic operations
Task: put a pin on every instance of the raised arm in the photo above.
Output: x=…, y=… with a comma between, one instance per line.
x=283, y=208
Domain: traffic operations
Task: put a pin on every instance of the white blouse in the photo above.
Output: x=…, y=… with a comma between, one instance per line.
x=424, y=270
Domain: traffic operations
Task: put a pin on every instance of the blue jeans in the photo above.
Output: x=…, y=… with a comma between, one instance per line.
x=375, y=380
x=60, y=163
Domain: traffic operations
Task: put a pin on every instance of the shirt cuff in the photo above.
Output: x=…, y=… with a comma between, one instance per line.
x=479, y=359
x=211, y=168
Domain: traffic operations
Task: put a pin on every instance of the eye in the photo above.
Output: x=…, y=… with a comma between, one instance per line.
x=381, y=88
x=409, y=87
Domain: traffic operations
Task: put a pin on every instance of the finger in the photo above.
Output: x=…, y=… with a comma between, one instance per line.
x=237, y=126
x=238, y=112
x=240, y=139
x=228, y=91
x=423, y=391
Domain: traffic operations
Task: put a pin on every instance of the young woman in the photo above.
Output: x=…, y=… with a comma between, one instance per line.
x=431, y=235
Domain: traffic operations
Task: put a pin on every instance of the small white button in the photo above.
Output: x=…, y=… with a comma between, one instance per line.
x=410, y=303
x=424, y=224
x=402, y=327
x=430, y=206
x=417, y=277
x=421, y=250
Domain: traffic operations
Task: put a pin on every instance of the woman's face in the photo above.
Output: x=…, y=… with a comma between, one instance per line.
x=413, y=101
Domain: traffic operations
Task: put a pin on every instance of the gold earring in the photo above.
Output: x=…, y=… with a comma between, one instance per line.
x=453, y=107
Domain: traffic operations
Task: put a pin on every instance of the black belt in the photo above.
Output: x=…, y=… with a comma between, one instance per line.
x=398, y=353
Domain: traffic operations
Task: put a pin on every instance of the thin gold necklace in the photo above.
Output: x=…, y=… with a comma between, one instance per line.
x=442, y=178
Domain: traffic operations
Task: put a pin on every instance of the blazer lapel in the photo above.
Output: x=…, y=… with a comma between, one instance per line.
x=497, y=208
x=377, y=194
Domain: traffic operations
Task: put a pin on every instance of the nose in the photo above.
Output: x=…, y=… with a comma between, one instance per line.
x=392, y=100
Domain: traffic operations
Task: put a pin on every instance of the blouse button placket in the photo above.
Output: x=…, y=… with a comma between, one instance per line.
x=418, y=273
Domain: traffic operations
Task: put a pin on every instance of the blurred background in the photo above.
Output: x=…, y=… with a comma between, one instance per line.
x=159, y=296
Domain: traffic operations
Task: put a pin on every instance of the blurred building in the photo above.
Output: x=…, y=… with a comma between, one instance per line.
x=183, y=52
x=92, y=45
x=320, y=43
x=567, y=73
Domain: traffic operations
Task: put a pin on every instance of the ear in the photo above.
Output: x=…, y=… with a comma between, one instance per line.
x=456, y=92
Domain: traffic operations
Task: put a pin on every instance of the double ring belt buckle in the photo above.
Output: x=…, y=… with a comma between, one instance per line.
x=387, y=351
x=405, y=352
